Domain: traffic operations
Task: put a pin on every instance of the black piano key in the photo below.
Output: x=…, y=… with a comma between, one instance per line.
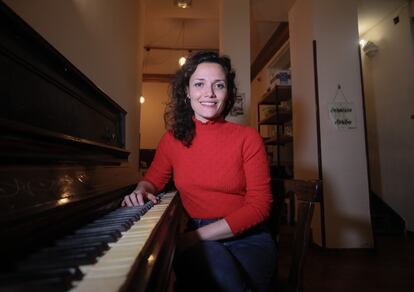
x=119, y=217
x=127, y=223
x=40, y=280
x=116, y=230
x=116, y=234
x=98, y=246
x=129, y=220
x=125, y=211
x=133, y=213
x=73, y=273
x=79, y=241
x=60, y=257
x=54, y=251
x=113, y=216
x=66, y=263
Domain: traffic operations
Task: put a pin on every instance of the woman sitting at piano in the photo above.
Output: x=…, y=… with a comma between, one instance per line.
x=221, y=172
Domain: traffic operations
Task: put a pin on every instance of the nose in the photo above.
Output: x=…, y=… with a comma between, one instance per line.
x=209, y=91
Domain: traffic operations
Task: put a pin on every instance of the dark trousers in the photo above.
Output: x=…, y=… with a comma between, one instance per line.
x=244, y=263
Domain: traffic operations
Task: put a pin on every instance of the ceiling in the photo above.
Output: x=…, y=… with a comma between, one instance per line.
x=168, y=27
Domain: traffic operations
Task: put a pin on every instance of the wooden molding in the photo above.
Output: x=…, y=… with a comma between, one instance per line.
x=157, y=77
x=149, y=48
x=276, y=41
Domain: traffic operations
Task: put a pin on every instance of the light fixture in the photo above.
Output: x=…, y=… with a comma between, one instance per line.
x=183, y=3
x=141, y=99
x=362, y=42
x=369, y=48
x=182, y=61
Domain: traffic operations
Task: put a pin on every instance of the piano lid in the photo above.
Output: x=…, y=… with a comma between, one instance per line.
x=45, y=96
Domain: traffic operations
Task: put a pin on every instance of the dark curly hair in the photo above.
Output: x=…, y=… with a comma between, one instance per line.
x=178, y=116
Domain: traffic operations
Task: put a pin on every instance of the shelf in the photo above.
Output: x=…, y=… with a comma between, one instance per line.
x=283, y=140
x=278, y=93
x=274, y=115
x=278, y=118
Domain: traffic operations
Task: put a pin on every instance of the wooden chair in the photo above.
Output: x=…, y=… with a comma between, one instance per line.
x=307, y=193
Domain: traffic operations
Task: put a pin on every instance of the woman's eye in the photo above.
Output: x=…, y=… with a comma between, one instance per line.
x=220, y=85
x=198, y=84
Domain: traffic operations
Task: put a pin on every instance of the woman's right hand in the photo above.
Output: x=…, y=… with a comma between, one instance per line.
x=137, y=198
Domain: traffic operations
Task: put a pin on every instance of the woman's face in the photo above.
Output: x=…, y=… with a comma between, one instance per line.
x=207, y=90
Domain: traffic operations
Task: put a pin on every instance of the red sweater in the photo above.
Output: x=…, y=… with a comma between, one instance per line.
x=223, y=174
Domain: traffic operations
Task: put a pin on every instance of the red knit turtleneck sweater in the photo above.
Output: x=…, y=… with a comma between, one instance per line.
x=223, y=174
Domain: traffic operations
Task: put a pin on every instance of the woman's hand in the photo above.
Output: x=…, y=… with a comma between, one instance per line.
x=137, y=198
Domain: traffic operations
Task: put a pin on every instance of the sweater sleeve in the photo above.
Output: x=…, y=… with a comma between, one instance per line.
x=258, y=197
x=159, y=172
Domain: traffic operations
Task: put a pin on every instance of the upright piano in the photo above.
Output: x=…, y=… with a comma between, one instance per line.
x=63, y=174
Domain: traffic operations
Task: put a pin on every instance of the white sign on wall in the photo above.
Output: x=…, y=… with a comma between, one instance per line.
x=342, y=113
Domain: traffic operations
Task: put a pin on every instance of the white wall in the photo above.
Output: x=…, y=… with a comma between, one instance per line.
x=102, y=39
x=303, y=102
x=152, y=113
x=389, y=93
x=235, y=42
x=333, y=24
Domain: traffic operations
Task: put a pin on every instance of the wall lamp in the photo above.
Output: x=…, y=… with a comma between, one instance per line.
x=369, y=48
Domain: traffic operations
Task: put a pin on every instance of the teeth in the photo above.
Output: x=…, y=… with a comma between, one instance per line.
x=208, y=103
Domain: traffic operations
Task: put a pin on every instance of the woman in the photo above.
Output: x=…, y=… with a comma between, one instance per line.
x=221, y=172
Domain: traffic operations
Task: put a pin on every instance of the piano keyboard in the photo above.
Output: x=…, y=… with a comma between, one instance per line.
x=98, y=257
x=112, y=269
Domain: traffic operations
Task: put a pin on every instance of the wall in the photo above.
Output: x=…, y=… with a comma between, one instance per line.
x=389, y=87
x=235, y=42
x=103, y=40
x=333, y=24
x=152, y=113
x=303, y=102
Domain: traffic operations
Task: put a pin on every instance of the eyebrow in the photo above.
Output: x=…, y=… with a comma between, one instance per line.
x=215, y=81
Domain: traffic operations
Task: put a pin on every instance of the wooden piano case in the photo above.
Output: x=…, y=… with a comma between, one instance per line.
x=62, y=146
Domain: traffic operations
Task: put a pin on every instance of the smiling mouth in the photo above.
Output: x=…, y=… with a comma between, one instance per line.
x=208, y=103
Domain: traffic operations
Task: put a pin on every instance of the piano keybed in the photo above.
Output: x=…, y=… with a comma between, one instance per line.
x=97, y=257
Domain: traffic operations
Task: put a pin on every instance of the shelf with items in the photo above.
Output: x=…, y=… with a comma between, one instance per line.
x=281, y=140
x=274, y=110
x=275, y=126
x=279, y=118
x=277, y=93
x=272, y=87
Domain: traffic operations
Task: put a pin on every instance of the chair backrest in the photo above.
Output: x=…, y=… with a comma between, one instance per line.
x=306, y=193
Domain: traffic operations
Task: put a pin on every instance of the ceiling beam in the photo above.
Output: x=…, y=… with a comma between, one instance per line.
x=276, y=41
x=157, y=77
x=149, y=48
